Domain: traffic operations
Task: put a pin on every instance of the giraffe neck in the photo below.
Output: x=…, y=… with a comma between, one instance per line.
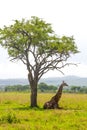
x=59, y=93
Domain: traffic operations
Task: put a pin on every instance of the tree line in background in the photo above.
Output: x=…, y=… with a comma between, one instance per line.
x=43, y=87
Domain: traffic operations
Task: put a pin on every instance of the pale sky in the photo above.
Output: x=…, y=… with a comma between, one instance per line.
x=68, y=17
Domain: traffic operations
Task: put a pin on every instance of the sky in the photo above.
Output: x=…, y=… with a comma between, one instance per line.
x=68, y=17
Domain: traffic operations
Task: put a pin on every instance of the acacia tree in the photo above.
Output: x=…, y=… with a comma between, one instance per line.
x=38, y=47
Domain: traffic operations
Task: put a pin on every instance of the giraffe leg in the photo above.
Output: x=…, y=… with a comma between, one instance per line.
x=48, y=105
x=56, y=106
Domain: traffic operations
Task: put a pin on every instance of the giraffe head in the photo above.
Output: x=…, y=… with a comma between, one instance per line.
x=64, y=84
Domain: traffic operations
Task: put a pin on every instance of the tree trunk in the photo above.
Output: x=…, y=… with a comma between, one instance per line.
x=33, y=85
x=33, y=96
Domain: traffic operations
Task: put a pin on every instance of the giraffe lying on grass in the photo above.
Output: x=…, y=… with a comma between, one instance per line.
x=53, y=103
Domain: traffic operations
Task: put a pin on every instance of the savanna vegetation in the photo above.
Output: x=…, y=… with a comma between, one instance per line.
x=43, y=87
x=15, y=113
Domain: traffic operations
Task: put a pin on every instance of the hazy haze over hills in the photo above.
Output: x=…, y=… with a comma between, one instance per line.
x=71, y=80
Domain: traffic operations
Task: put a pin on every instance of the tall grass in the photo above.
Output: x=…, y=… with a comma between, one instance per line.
x=15, y=113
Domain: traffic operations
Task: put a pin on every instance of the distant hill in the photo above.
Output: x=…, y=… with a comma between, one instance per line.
x=71, y=80
x=7, y=82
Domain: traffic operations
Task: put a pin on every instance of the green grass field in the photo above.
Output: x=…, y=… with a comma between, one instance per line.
x=15, y=113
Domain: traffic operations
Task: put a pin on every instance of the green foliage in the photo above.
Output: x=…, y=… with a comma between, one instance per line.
x=43, y=87
x=76, y=89
x=25, y=35
x=17, y=88
x=19, y=36
x=83, y=89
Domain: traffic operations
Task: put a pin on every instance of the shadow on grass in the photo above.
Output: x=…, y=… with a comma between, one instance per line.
x=24, y=108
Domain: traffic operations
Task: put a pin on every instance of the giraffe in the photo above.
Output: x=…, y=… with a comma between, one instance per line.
x=53, y=103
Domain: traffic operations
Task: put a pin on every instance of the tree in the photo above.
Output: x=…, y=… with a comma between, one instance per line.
x=38, y=47
x=17, y=88
x=75, y=89
x=44, y=87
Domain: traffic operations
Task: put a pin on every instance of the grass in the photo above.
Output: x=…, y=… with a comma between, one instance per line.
x=15, y=113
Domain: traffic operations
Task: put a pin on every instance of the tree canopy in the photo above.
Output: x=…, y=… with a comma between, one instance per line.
x=35, y=43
